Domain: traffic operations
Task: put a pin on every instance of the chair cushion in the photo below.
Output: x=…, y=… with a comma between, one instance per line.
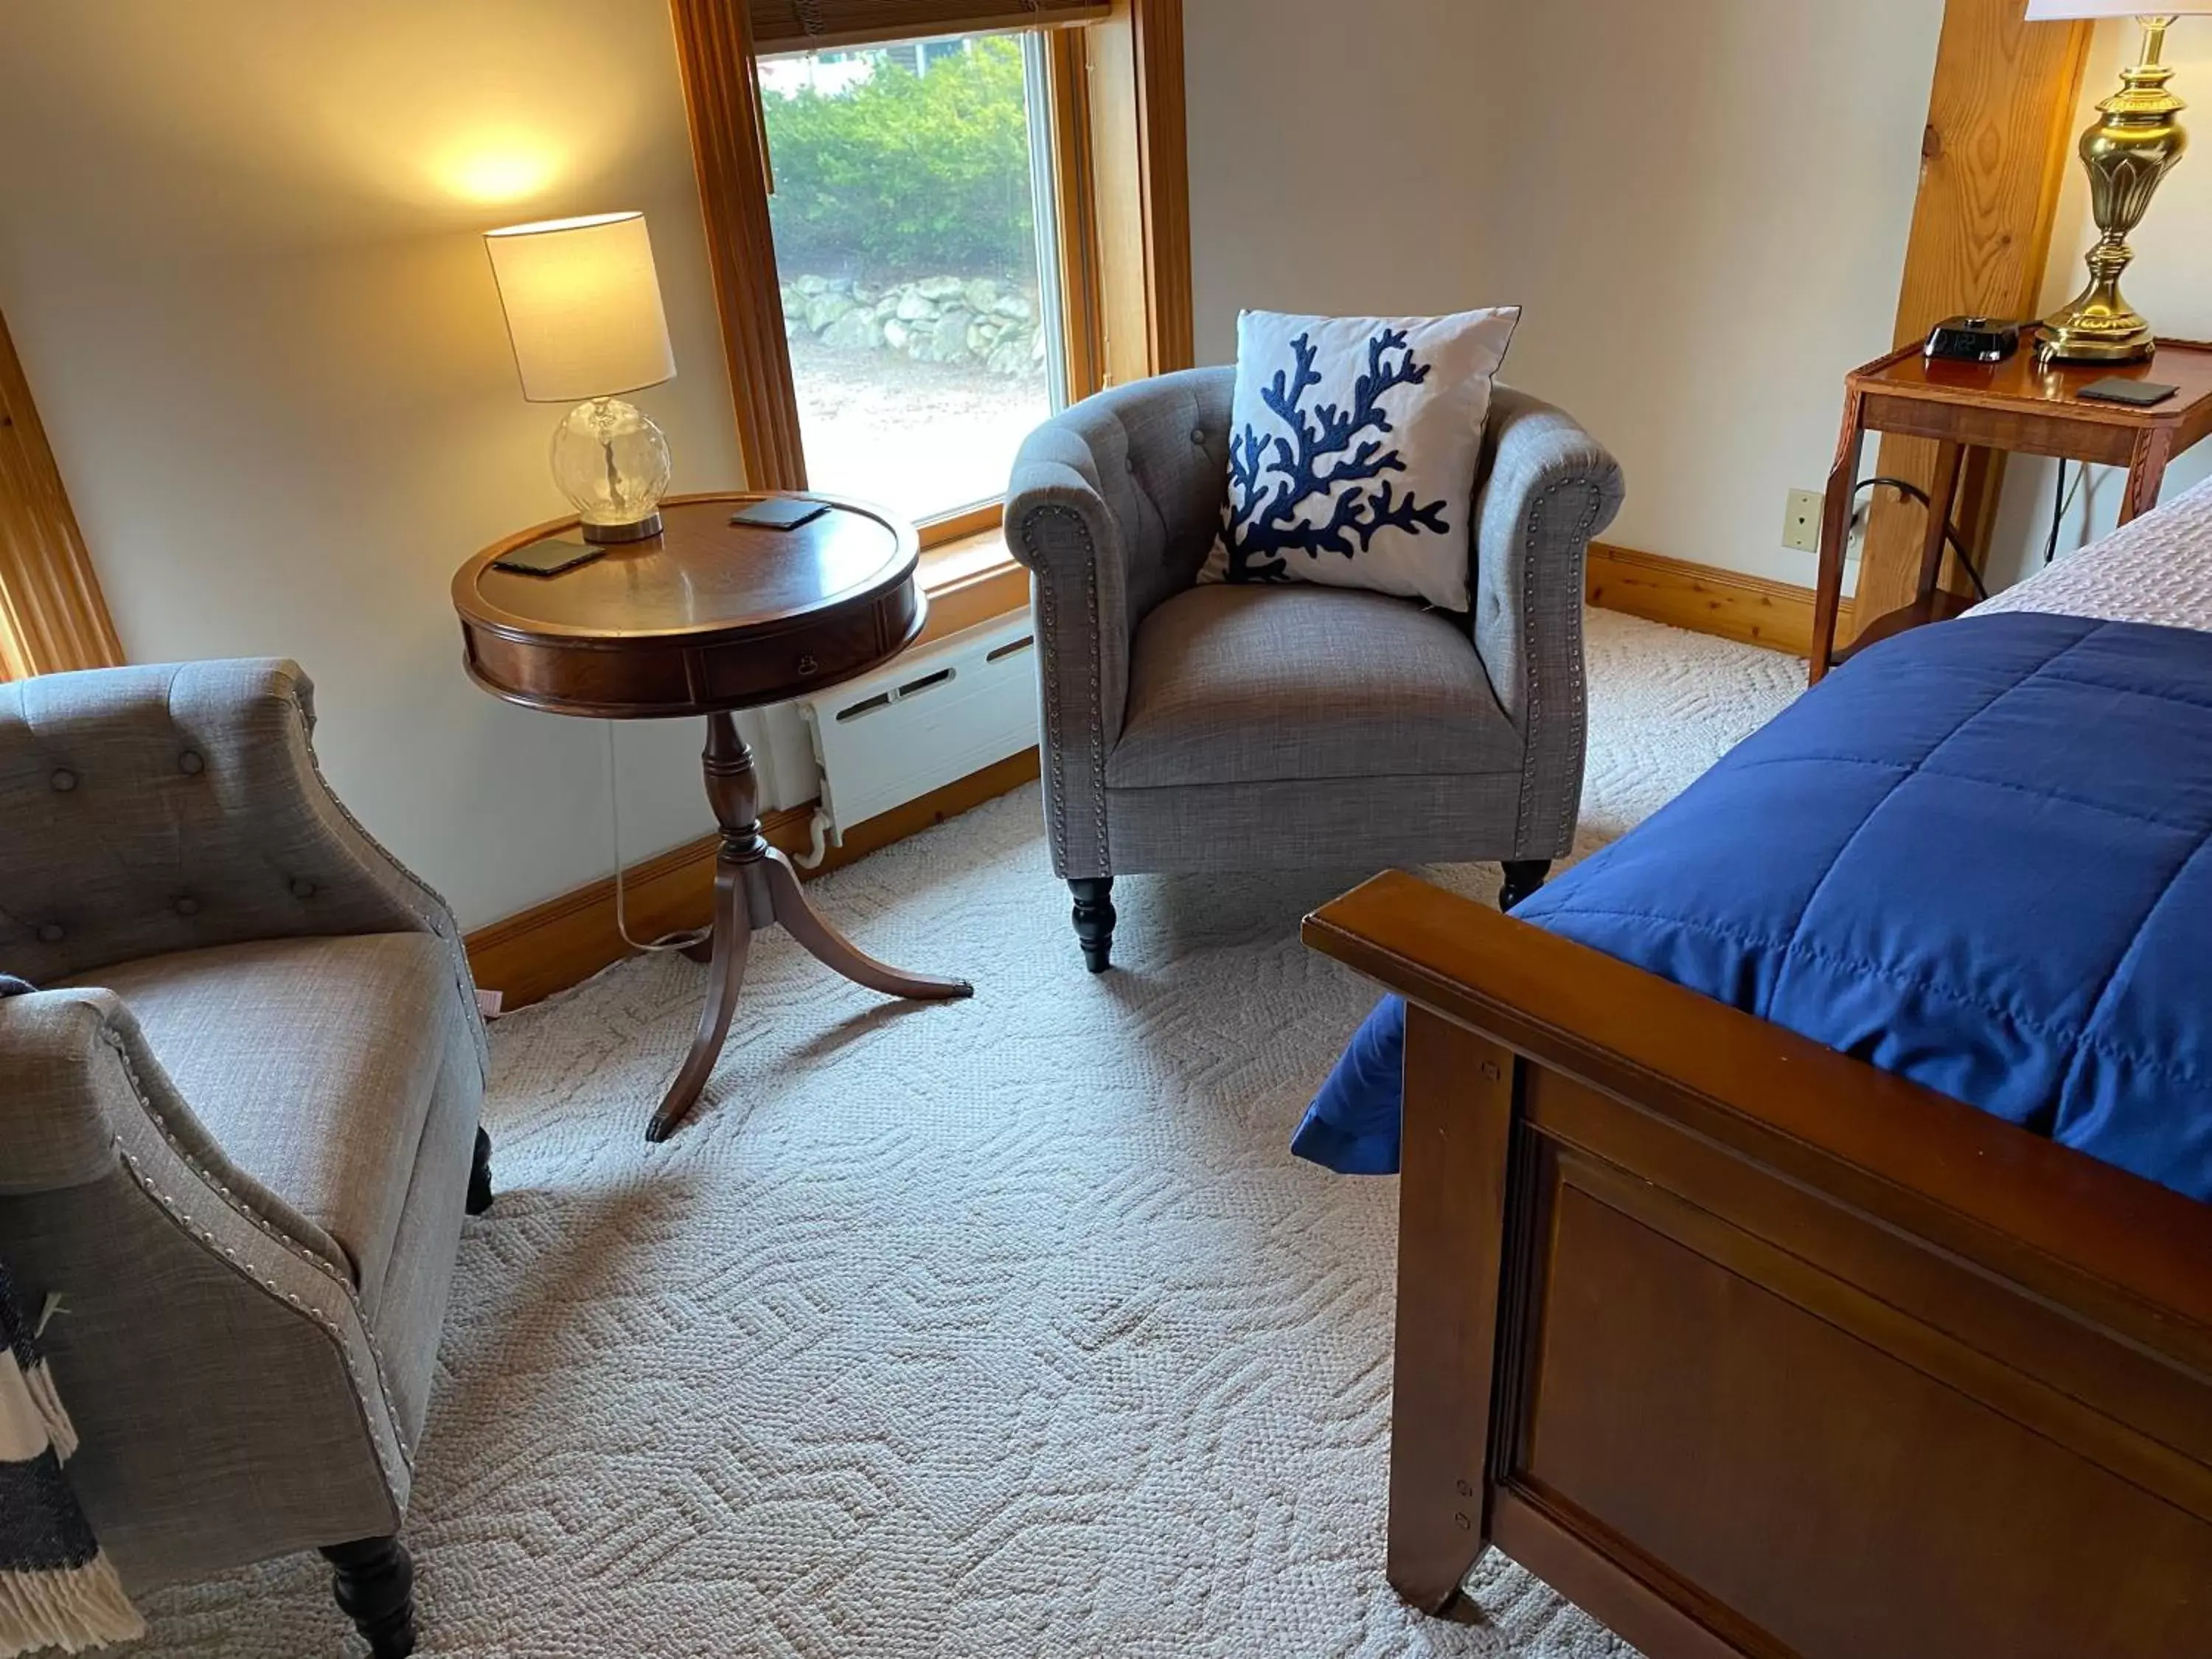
x=311, y=1062
x=1234, y=684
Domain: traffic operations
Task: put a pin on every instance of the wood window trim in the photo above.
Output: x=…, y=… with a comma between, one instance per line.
x=828, y=25
x=53, y=616
x=2001, y=133
x=1122, y=189
x=965, y=525
x=729, y=153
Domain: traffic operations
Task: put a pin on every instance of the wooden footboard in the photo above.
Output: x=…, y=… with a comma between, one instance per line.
x=1749, y=1348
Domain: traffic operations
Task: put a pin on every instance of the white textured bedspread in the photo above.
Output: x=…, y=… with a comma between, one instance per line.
x=2158, y=570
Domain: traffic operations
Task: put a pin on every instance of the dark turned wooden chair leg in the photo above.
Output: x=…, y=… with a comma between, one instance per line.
x=1523, y=877
x=374, y=1582
x=480, y=1177
x=1094, y=920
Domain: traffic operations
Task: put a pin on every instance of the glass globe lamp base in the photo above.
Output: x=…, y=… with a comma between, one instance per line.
x=612, y=463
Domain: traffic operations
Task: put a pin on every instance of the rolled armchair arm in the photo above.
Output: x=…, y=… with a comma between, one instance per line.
x=1113, y=505
x=1548, y=487
x=77, y=1076
x=175, y=807
x=87, y=1113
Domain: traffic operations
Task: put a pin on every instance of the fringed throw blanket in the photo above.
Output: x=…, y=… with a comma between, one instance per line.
x=57, y=1589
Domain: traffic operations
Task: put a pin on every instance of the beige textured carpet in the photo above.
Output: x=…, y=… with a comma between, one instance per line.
x=1004, y=1327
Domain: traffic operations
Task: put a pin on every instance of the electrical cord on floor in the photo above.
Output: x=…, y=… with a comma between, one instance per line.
x=2062, y=503
x=683, y=941
x=1951, y=533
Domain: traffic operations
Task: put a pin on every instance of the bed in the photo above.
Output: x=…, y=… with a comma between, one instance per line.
x=1749, y=1347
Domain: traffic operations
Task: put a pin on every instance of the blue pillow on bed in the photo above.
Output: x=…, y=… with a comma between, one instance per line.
x=1979, y=856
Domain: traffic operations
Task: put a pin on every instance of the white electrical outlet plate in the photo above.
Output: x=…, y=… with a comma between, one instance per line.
x=1801, y=529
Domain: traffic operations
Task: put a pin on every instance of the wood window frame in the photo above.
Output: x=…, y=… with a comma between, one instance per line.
x=1121, y=189
x=53, y=616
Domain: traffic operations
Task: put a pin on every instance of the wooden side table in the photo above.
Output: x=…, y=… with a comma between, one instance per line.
x=708, y=618
x=2019, y=406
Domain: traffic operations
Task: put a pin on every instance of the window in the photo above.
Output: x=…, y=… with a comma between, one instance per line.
x=917, y=255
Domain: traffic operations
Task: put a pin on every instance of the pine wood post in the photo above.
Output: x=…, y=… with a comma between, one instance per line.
x=2001, y=121
x=53, y=616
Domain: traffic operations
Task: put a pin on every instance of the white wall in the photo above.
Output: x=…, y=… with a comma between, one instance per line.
x=1704, y=207
x=239, y=253
x=2170, y=283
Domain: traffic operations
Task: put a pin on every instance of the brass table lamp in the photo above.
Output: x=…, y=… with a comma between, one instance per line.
x=2128, y=152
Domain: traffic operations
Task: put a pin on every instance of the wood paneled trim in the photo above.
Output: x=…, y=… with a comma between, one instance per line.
x=2001, y=124
x=1141, y=167
x=564, y=941
x=1075, y=208
x=729, y=152
x=1704, y=600
x=54, y=618
x=1164, y=140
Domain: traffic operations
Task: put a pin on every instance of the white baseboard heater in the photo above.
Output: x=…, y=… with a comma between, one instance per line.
x=927, y=719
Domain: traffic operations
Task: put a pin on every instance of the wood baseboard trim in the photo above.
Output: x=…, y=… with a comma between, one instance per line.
x=1706, y=600
x=564, y=941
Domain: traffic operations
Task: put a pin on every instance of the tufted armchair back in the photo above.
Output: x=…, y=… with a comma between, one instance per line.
x=150, y=809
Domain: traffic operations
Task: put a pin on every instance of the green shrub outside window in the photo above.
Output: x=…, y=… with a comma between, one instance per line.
x=907, y=175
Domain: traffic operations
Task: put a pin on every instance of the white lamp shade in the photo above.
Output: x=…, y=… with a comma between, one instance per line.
x=583, y=306
x=2039, y=9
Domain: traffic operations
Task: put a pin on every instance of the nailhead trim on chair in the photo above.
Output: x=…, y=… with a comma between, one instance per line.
x=313, y=1258
x=326, y=1320
x=1055, y=722
x=339, y=1276
x=1562, y=841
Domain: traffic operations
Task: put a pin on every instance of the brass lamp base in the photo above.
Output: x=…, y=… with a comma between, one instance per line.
x=2127, y=153
x=2099, y=327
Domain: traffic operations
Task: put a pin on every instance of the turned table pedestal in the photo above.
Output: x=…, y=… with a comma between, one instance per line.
x=708, y=618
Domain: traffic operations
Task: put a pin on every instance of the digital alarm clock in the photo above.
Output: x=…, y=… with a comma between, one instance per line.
x=1972, y=340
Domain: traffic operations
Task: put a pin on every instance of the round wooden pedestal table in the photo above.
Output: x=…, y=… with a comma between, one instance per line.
x=706, y=618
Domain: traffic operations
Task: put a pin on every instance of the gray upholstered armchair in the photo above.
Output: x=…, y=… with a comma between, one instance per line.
x=1217, y=727
x=238, y=1124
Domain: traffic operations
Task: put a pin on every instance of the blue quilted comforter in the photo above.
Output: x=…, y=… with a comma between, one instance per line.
x=1979, y=856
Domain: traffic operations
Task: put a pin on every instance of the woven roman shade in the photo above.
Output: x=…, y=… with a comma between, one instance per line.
x=799, y=25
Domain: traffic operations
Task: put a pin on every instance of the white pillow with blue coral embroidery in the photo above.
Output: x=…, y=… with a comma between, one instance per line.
x=1353, y=449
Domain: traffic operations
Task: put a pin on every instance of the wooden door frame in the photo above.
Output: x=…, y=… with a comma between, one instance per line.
x=2002, y=112
x=53, y=616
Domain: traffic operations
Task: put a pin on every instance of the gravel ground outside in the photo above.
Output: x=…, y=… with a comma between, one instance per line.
x=921, y=439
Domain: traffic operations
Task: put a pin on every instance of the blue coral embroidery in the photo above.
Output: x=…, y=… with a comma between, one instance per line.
x=1271, y=479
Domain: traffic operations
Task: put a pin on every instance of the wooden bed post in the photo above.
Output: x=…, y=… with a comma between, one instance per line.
x=1458, y=1141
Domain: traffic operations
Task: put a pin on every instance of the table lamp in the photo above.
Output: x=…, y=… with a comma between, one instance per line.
x=584, y=316
x=2127, y=153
